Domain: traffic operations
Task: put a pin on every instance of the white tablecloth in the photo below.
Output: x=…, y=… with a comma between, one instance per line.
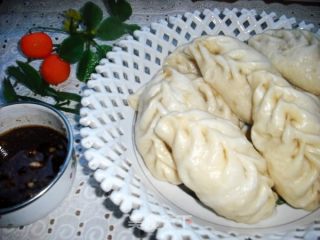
x=87, y=213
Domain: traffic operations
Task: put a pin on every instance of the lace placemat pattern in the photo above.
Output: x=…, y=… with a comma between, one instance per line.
x=88, y=213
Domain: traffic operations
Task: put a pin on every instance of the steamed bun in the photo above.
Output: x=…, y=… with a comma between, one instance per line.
x=295, y=53
x=169, y=91
x=225, y=63
x=286, y=131
x=216, y=161
x=183, y=62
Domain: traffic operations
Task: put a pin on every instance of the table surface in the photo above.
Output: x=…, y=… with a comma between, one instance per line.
x=87, y=213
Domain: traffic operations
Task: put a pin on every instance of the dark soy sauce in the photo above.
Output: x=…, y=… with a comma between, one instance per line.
x=30, y=158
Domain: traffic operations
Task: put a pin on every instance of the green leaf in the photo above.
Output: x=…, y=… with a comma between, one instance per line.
x=69, y=96
x=91, y=15
x=71, y=48
x=15, y=72
x=27, y=76
x=9, y=93
x=32, y=75
x=102, y=50
x=120, y=9
x=130, y=28
x=87, y=65
x=112, y=28
x=62, y=96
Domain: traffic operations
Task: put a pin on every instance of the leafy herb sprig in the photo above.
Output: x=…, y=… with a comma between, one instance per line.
x=86, y=29
x=29, y=77
x=87, y=25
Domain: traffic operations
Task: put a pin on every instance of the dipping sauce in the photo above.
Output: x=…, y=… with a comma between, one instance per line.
x=30, y=157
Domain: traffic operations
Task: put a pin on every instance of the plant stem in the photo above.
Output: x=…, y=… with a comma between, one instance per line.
x=95, y=44
x=65, y=109
x=47, y=29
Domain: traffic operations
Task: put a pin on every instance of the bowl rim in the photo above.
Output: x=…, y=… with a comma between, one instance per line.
x=68, y=158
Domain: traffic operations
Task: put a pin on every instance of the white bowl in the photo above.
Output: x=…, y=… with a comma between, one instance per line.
x=24, y=114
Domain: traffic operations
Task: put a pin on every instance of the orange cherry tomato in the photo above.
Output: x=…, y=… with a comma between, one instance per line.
x=36, y=45
x=54, y=70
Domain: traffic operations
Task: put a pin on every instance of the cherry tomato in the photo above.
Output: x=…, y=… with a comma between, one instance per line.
x=54, y=70
x=36, y=45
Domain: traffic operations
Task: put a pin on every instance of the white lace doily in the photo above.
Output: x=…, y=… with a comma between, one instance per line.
x=88, y=213
x=108, y=133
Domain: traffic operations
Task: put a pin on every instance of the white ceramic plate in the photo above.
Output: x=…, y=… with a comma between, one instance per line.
x=108, y=124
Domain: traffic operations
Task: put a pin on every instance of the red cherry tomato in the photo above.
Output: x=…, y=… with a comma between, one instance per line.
x=36, y=45
x=54, y=70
